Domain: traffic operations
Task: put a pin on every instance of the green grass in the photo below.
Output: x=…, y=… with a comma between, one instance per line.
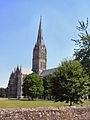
x=12, y=103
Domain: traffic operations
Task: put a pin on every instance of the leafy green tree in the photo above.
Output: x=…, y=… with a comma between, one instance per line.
x=69, y=82
x=2, y=92
x=82, y=52
x=47, y=86
x=32, y=86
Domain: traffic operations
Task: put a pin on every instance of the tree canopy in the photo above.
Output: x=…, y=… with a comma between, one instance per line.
x=47, y=86
x=32, y=86
x=2, y=92
x=82, y=53
x=69, y=82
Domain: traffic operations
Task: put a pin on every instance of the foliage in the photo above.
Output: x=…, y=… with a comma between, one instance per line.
x=32, y=86
x=83, y=43
x=47, y=86
x=69, y=82
x=2, y=92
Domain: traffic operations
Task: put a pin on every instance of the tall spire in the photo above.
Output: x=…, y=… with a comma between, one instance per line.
x=40, y=34
x=39, y=61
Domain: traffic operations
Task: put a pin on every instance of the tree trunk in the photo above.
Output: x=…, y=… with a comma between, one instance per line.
x=70, y=103
x=32, y=98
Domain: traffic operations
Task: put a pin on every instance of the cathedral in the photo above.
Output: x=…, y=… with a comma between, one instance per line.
x=39, y=66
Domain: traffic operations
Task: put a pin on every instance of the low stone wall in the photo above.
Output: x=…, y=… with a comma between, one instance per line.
x=60, y=113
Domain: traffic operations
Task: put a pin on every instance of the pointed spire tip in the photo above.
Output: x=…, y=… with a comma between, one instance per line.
x=40, y=17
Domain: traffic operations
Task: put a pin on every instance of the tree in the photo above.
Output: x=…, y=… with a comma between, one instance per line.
x=69, y=82
x=2, y=92
x=83, y=51
x=32, y=86
x=83, y=43
x=47, y=86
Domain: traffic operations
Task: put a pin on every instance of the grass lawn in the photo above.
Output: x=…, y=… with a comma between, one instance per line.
x=12, y=103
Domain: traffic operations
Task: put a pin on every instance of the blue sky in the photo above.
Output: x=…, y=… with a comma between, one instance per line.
x=19, y=22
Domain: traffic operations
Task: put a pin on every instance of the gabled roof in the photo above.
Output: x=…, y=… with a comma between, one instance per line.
x=48, y=71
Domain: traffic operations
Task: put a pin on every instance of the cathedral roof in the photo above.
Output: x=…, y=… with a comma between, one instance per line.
x=26, y=71
x=48, y=71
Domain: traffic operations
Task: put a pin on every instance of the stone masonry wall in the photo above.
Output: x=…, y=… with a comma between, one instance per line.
x=60, y=113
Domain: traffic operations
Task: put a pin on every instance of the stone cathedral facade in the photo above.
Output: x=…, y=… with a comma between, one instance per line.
x=39, y=66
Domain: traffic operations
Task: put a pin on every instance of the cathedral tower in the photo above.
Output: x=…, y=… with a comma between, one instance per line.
x=39, y=61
